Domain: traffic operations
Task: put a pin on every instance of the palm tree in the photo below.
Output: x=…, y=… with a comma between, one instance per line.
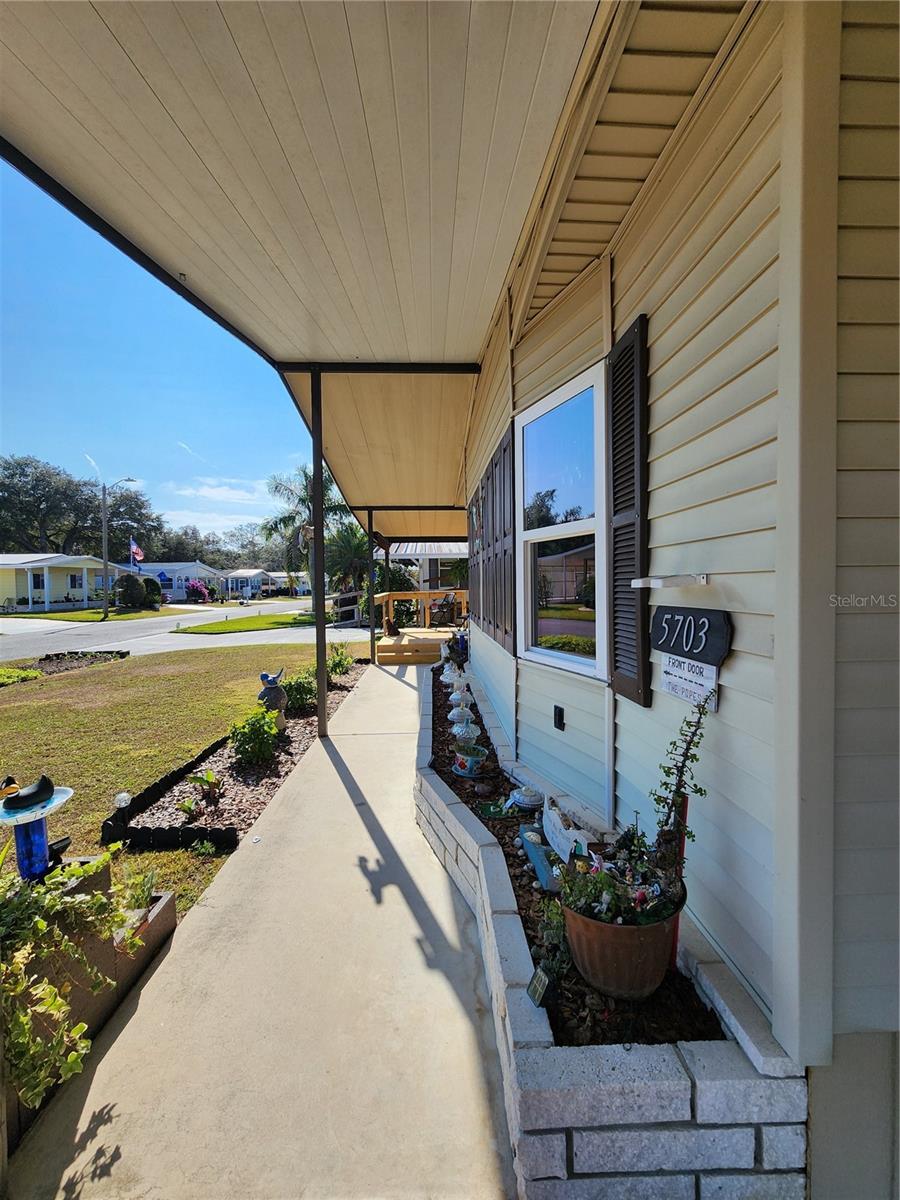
x=347, y=556
x=294, y=492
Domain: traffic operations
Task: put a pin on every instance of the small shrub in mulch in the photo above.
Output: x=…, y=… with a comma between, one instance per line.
x=242, y=790
x=579, y=1014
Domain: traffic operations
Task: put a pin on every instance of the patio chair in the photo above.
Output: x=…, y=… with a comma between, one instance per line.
x=442, y=612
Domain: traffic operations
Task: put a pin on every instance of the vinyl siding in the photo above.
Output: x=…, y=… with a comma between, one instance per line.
x=570, y=335
x=700, y=258
x=866, y=780
x=496, y=671
x=574, y=758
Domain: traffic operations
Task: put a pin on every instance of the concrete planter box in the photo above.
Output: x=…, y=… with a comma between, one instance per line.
x=95, y=1008
x=670, y=1122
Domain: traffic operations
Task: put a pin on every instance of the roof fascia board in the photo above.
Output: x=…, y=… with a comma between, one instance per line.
x=571, y=152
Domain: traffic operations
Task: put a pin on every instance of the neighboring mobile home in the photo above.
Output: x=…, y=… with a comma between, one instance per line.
x=174, y=577
x=52, y=581
x=621, y=276
x=250, y=582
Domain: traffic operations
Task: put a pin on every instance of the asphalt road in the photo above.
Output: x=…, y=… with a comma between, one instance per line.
x=154, y=635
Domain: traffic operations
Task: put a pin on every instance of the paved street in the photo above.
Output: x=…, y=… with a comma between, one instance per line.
x=33, y=637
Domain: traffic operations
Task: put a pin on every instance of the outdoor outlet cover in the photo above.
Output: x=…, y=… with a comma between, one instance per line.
x=559, y=717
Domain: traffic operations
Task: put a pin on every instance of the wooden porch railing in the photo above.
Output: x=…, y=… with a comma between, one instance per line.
x=424, y=600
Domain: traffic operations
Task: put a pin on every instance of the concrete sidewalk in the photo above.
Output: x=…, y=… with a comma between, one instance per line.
x=319, y=1027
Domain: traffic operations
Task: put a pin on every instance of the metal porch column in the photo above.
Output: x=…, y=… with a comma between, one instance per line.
x=371, y=586
x=318, y=555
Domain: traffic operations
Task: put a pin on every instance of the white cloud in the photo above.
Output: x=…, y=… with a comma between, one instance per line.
x=225, y=490
x=209, y=522
x=193, y=453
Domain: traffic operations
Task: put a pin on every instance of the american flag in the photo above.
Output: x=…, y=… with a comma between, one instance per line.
x=137, y=554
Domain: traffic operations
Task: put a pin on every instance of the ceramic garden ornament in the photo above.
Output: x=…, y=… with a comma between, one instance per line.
x=274, y=697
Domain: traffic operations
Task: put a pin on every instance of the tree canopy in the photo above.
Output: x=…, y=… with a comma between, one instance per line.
x=47, y=510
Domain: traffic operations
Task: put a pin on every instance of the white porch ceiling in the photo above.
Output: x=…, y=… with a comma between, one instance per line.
x=338, y=181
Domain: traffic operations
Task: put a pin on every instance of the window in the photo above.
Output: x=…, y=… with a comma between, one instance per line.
x=560, y=507
x=37, y=580
x=74, y=579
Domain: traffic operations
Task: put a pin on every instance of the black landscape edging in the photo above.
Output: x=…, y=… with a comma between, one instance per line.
x=112, y=655
x=116, y=827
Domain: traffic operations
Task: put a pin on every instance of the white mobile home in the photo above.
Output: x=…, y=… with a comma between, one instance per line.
x=52, y=581
x=174, y=577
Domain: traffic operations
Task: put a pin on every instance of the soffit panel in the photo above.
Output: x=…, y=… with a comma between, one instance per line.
x=336, y=180
x=392, y=439
x=668, y=52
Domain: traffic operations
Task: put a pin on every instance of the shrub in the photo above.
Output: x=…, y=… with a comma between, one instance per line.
x=544, y=589
x=253, y=739
x=196, y=591
x=586, y=593
x=17, y=675
x=153, y=592
x=42, y=929
x=569, y=643
x=130, y=592
x=204, y=849
x=339, y=659
x=300, y=690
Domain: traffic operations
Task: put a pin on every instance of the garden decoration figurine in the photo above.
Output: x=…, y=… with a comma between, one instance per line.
x=274, y=697
x=26, y=809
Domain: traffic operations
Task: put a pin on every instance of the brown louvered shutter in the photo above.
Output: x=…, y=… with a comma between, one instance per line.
x=474, y=559
x=496, y=598
x=629, y=625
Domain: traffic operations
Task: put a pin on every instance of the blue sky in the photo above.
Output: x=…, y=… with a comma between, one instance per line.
x=98, y=358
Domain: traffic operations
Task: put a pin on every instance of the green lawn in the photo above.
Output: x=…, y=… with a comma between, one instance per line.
x=248, y=624
x=121, y=725
x=568, y=612
x=91, y=614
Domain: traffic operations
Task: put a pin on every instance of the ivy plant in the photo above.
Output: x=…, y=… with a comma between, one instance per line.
x=43, y=927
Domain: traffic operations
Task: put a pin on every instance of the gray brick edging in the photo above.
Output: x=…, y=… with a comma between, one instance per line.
x=709, y=1119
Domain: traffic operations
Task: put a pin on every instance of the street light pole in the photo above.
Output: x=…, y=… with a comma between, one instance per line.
x=104, y=522
x=104, y=518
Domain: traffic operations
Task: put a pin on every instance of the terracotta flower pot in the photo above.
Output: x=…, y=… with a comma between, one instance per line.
x=625, y=961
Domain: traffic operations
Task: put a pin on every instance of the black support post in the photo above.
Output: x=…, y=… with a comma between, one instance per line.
x=318, y=563
x=371, y=585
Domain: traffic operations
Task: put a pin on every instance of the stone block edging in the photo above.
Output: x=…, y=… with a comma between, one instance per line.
x=641, y=1123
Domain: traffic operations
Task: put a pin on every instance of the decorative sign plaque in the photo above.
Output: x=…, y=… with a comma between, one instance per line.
x=701, y=634
x=537, y=987
x=689, y=680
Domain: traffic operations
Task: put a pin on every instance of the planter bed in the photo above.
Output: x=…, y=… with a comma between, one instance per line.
x=95, y=1008
x=700, y=1118
x=579, y=1015
x=153, y=821
x=72, y=660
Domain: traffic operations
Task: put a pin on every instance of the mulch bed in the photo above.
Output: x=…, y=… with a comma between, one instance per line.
x=579, y=1014
x=72, y=660
x=245, y=791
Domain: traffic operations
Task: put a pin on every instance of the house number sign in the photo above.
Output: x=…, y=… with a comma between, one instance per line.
x=693, y=642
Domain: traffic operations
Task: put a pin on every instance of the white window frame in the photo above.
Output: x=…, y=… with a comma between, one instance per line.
x=595, y=378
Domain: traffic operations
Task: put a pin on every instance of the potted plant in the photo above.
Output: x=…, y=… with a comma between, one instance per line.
x=621, y=905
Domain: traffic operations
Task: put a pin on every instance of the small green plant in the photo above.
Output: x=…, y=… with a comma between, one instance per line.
x=204, y=849
x=42, y=930
x=339, y=659
x=300, y=690
x=209, y=784
x=189, y=807
x=253, y=739
x=138, y=889
x=17, y=675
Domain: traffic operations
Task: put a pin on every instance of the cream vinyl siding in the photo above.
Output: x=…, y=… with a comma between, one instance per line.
x=865, y=913
x=491, y=407
x=700, y=258
x=497, y=672
x=570, y=335
x=574, y=758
